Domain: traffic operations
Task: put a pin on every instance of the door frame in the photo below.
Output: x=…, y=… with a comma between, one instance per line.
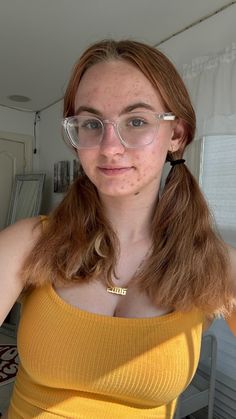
x=27, y=140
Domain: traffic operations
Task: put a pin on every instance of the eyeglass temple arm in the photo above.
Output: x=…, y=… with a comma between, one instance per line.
x=167, y=116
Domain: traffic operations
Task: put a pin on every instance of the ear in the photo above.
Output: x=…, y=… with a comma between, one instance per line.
x=177, y=140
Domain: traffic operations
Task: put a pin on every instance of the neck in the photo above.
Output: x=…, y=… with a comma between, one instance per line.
x=130, y=217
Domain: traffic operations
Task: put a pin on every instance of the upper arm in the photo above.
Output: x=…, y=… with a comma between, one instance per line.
x=231, y=320
x=16, y=241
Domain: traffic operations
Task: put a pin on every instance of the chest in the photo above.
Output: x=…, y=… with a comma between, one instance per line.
x=93, y=297
x=133, y=359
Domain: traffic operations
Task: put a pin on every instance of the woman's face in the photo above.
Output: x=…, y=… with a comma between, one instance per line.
x=109, y=90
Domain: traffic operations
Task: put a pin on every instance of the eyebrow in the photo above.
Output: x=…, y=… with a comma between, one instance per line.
x=143, y=105
x=87, y=109
x=127, y=109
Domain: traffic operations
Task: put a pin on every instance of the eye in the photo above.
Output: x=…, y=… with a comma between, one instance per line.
x=137, y=122
x=90, y=124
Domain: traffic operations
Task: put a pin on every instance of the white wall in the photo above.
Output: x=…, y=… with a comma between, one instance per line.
x=21, y=123
x=14, y=121
x=208, y=37
x=50, y=146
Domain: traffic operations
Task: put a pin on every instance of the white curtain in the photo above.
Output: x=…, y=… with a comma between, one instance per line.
x=211, y=82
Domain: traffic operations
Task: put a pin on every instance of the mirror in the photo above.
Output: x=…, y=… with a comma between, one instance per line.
x=26, y=197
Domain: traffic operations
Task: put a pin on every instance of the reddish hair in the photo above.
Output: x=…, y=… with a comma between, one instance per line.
x=152, y=63
x=188, y=265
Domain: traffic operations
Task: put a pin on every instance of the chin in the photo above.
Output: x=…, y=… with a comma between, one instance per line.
x=117, y=193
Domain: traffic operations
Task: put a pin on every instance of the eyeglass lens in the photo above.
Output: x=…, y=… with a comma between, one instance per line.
x=134, y=130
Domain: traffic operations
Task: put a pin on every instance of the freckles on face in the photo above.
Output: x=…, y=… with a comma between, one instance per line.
x=146, y=167
x=107, y=90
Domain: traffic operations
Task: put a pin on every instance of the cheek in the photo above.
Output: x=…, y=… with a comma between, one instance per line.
x=86, y=159
x=151, y=163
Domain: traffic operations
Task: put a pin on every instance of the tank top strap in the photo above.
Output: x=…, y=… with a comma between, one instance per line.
x=43, y=220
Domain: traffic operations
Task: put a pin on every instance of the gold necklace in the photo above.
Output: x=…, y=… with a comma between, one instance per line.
x=117, y=290
x=121, y=290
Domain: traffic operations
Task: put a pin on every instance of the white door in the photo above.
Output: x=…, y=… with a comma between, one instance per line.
x=12, y=162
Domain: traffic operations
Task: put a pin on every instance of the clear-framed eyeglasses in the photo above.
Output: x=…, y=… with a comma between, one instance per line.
x=134, y=130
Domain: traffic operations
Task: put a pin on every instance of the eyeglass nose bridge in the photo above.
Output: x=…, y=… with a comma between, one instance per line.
x=110, y=121
x=116, y=129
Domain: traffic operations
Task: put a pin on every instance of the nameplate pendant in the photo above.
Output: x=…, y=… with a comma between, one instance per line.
x=117, y=290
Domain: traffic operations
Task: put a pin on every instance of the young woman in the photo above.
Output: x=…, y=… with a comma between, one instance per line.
x=121, y=279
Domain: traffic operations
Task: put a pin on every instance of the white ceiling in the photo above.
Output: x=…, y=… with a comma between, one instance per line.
x=41, y=39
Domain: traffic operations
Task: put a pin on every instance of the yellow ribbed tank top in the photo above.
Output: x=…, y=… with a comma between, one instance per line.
x=77, y=364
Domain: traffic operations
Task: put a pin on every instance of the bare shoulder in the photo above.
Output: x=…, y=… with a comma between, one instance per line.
x=16, y=242
x=20, y=236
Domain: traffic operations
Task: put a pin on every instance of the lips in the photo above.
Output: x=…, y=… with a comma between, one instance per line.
x=111, y=170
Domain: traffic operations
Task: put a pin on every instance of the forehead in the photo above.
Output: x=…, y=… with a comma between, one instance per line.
x=114, y=84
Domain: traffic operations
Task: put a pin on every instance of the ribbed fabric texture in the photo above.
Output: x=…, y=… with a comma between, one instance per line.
x=76, y=364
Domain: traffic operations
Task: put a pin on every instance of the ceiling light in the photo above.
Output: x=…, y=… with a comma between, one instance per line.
x=19, y=98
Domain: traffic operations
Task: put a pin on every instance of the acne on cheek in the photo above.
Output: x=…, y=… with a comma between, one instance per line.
x=127, y=183
x=124, y=184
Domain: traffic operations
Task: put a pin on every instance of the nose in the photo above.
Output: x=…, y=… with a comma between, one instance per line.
x=111, y=143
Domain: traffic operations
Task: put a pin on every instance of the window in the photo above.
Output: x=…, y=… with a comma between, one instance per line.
x=218, y=182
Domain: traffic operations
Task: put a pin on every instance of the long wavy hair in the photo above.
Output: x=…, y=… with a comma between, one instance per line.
x=188, y=265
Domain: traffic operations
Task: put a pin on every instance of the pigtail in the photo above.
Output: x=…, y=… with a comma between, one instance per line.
x=189, y=262
x=77, y=241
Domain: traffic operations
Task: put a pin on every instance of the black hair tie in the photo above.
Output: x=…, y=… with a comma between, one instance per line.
x=175, y=162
